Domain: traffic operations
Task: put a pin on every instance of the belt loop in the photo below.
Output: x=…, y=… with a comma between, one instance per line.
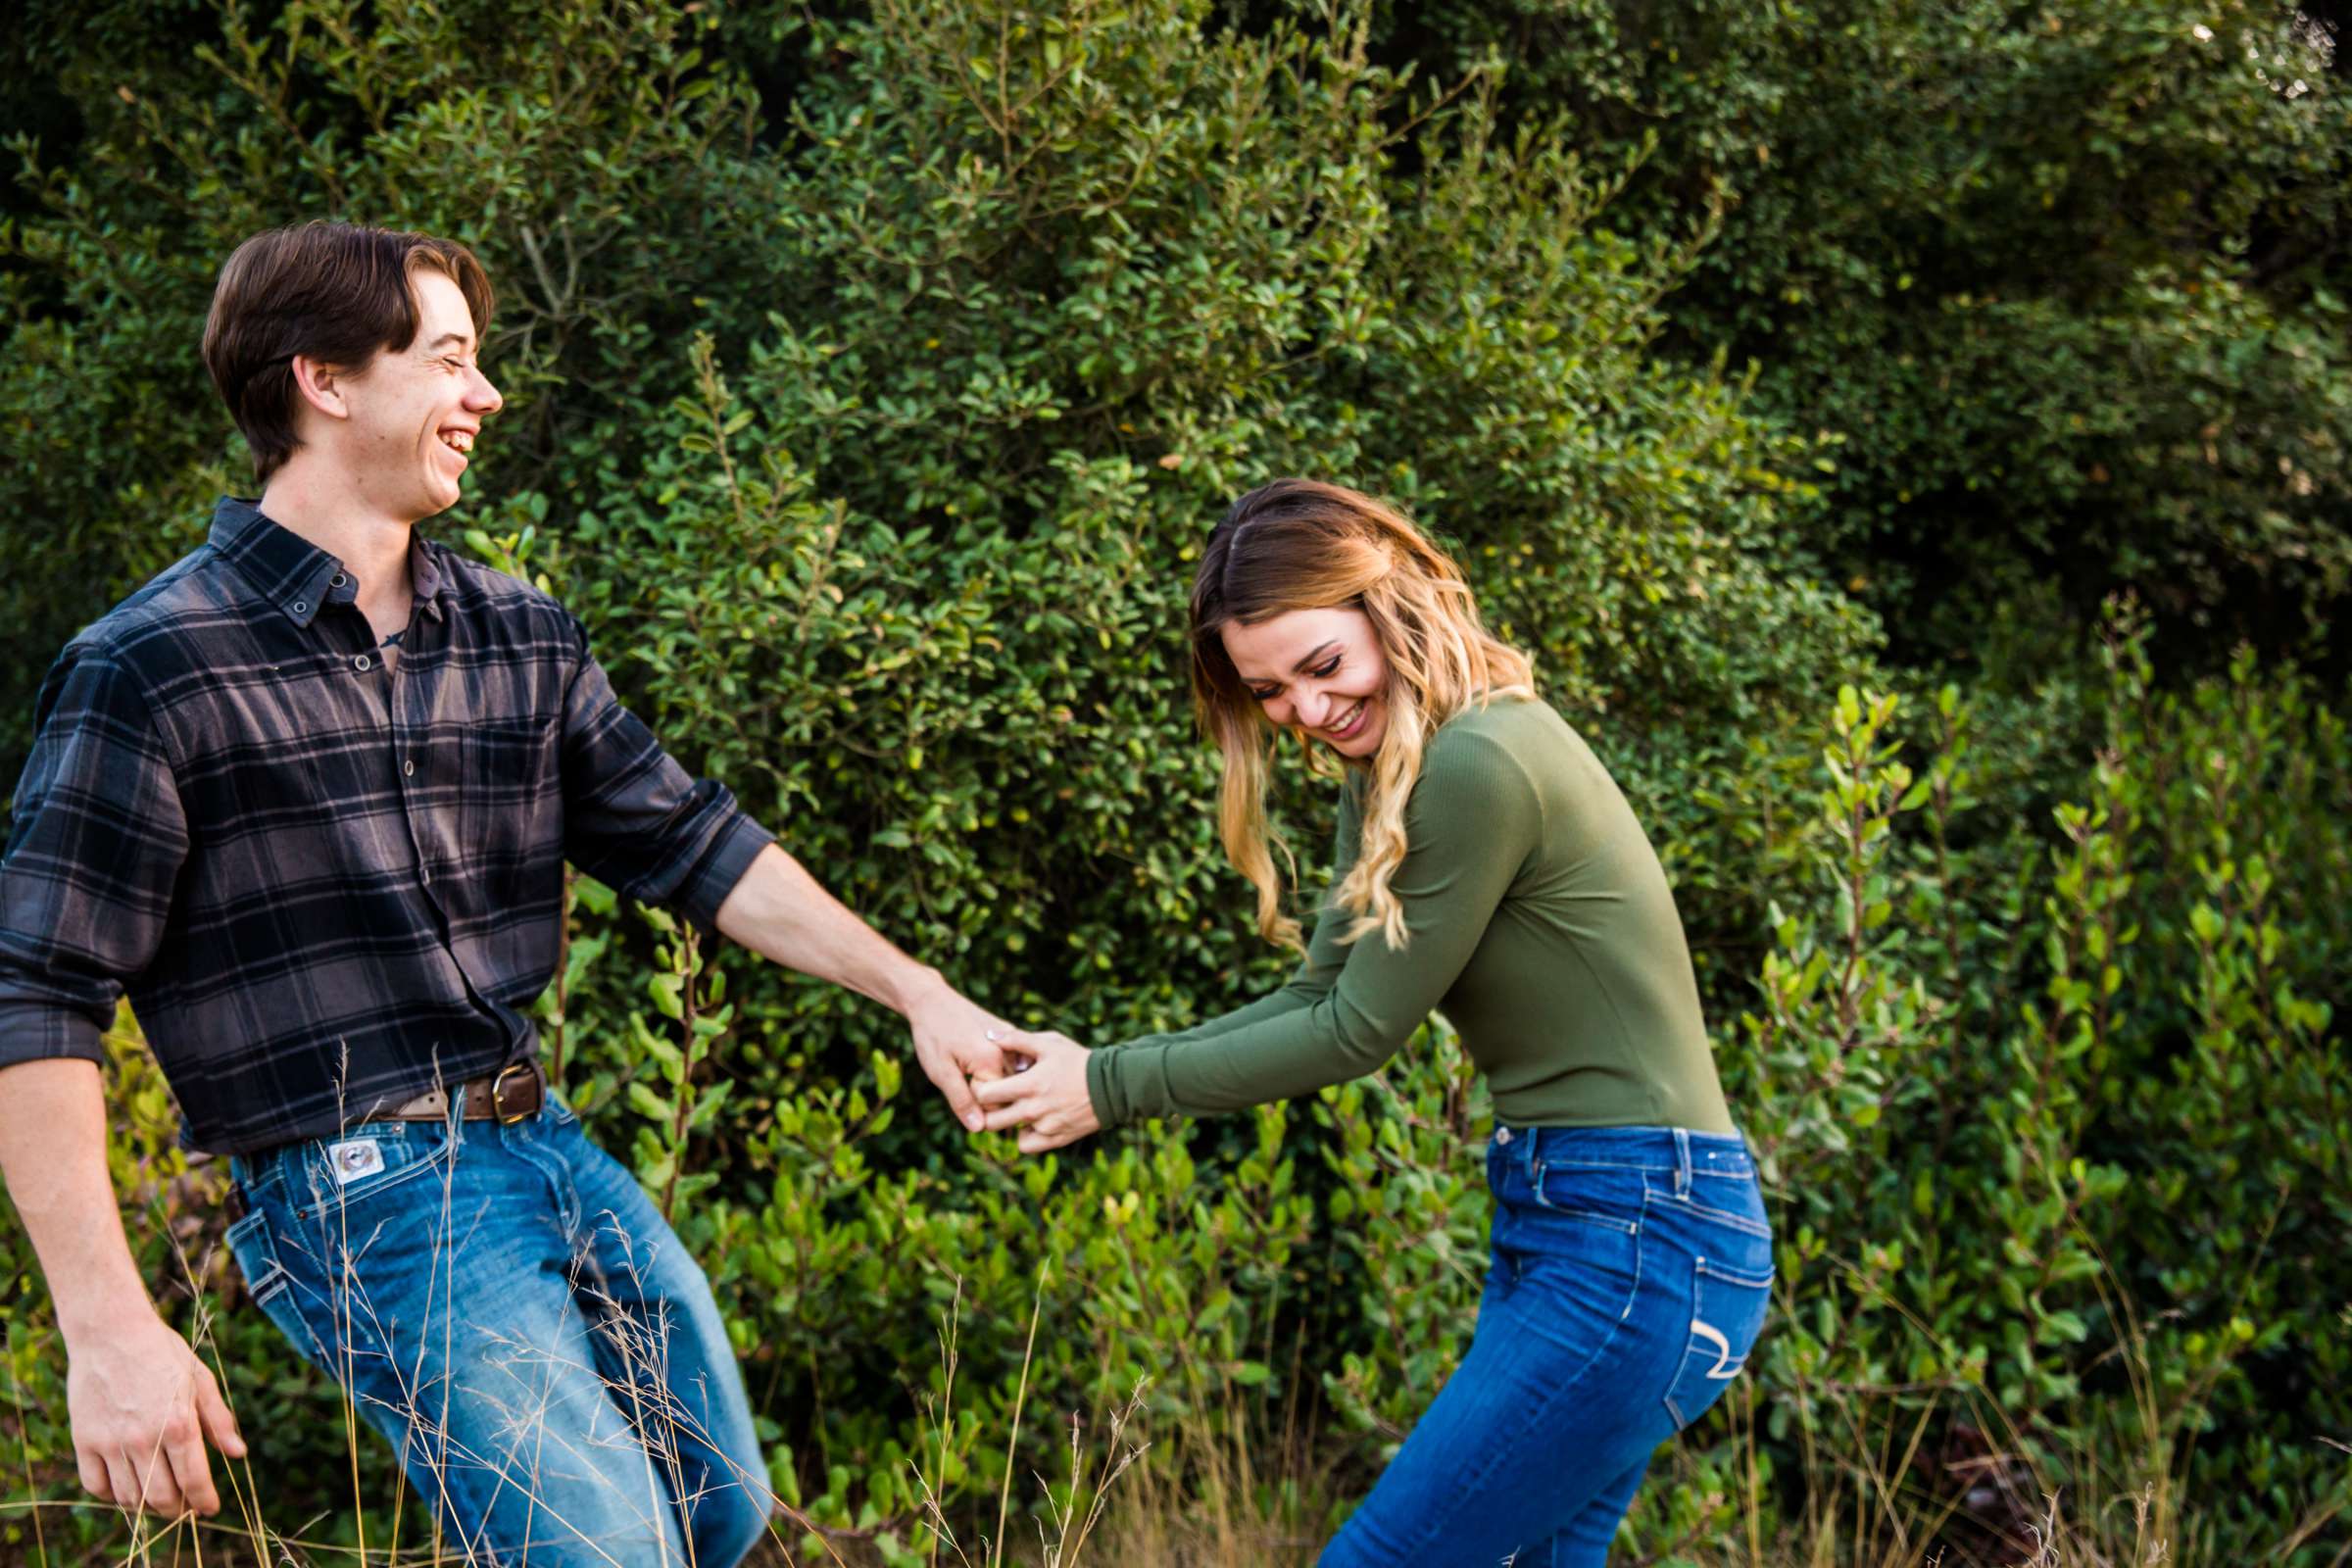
x=1681, y=1162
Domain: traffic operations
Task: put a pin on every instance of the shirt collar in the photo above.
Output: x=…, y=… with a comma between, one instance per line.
x=297, y=576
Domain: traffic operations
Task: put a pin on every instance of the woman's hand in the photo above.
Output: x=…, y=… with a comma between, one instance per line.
x=1047, y=1099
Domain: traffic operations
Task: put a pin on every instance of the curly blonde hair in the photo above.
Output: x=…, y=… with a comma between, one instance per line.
x=1300, y=544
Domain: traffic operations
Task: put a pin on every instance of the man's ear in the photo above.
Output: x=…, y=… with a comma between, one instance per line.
x=320, y=386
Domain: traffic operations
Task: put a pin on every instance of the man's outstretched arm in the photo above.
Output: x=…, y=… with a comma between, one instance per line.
x=636, y=822
x=140, y=1401
x=779, y=911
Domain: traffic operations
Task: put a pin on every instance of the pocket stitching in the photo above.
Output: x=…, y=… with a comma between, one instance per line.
x=321, y=1199
x=1731, y=1276
x=1624, y=1227
x=1739, y=1222
x=274, y=1279
x=1589, y=1216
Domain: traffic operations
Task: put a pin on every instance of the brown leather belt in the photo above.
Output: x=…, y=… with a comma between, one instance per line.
x=509, y=1095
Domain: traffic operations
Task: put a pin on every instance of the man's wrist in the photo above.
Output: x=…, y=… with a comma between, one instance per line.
x=102, y=1317
x=917, y=987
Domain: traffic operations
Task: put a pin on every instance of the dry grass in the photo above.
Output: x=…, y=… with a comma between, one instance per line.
x=1218, y=1491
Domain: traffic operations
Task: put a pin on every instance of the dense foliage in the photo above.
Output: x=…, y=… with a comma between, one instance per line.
x=873, y=379
x=2069, y=280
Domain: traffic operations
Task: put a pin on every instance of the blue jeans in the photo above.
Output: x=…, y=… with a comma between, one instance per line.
x=1632, y=1270
x=508, y=1309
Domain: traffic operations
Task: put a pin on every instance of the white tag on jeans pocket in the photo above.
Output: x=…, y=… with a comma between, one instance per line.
x=355, y=1159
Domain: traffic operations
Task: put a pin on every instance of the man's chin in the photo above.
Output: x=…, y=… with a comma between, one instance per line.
x=439, y=499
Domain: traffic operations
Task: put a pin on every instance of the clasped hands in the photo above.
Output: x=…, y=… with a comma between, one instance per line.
x=997, y=1076
x=1045, y=1094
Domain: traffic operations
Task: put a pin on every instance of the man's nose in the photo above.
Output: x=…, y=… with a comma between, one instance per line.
x=484, y=398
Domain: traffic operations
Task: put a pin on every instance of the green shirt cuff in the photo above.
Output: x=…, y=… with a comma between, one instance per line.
x=1102, y=1086
x=1129, y=1082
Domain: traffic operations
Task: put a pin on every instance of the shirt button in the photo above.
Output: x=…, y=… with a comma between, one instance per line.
x=408, y=770
x=361, y=662
x=337, y=580
x=300, y=607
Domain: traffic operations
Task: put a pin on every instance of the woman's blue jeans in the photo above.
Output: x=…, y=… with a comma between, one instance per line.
x=1632, y=1270
x=508, y=1309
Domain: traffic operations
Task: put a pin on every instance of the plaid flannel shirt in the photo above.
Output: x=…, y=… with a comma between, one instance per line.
x=327, y=887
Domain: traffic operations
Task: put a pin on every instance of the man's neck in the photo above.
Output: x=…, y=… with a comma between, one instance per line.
x=321, y=505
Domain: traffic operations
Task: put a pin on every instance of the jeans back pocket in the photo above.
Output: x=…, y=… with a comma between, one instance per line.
x=1727, y=1314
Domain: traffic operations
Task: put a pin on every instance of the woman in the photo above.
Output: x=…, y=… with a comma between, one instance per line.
x=1486, y=865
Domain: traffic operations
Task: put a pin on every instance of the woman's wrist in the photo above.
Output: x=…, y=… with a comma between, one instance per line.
x=1102, y=1086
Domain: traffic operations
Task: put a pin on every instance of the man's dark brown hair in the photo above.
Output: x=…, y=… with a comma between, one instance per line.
x=335, y=292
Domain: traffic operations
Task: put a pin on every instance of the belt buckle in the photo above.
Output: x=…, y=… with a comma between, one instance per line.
x=498, y=1093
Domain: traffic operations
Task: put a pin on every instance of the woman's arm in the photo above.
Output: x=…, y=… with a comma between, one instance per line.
x=1472, y=822
x=1317, y=973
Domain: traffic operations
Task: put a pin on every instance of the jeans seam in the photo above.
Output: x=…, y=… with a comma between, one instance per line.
x=562, y=1191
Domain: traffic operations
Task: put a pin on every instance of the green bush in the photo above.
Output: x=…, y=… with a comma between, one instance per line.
x=2067, y=281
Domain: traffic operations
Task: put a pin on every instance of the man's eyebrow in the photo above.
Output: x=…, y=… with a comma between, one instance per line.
x=459, y=338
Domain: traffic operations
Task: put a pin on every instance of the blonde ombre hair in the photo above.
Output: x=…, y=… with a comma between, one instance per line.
x=1299, y=543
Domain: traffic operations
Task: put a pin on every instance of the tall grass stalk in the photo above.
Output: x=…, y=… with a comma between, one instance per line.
x=16, y=1395
x=1020, y=1399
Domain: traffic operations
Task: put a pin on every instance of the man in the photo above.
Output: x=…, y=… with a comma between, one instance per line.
x=308, y=796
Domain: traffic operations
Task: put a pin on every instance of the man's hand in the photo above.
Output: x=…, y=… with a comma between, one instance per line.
x=140, y=1403
x=956, y=1043
x=1048, y=1100
x=142, y=1406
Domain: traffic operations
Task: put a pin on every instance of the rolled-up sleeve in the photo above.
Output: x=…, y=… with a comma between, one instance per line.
x=92, y=860
x=634, y=818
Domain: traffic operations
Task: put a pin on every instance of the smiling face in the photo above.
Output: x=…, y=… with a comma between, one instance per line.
x=414, y=411
x=1318, y=670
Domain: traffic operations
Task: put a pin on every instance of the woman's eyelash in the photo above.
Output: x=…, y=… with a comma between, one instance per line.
x=1326, y=672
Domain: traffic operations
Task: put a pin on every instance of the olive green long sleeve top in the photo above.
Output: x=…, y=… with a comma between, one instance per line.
x=1539, y=921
